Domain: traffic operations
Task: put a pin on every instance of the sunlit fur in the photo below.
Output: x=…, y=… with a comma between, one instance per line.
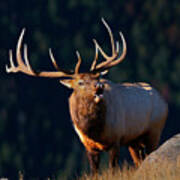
x=131, y=114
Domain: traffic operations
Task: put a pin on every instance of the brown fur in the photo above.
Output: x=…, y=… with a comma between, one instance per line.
x=90, y=119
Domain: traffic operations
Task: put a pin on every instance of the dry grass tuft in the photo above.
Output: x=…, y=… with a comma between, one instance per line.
x=164, y=171
x=125, y=174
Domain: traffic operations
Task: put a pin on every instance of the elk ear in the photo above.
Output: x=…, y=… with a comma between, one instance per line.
x=67, y=82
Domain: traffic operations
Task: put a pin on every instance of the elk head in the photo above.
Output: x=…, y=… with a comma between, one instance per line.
x=85, y=83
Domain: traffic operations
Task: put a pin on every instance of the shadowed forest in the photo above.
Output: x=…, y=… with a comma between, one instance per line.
x=36, y=132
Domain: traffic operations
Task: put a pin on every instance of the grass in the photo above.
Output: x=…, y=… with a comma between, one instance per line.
x=163, y=171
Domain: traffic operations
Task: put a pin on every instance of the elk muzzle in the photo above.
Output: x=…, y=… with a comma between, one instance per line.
x=99, y=89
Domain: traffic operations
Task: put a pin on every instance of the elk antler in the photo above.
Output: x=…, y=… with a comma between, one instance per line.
x=110, y=60
x=26, y=68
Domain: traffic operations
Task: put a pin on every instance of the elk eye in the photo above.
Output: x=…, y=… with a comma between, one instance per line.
x=81, y=82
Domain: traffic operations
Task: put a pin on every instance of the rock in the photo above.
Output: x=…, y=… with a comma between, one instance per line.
x=166, y=156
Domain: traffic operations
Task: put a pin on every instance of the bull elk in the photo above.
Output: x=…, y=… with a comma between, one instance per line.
x=106, y=115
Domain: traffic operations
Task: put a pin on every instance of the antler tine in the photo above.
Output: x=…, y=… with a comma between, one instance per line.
x=18, y=49
x=26, y=58
x=110, y=34
x=78, y=63
x=108, y=64
x=21, y=66
x=117, y=47
x=114, y=54
x=26, y=68
x=113, y=59
x=12, y=66
x=56, y=65
x=118, y=60
x=97, y=47
x=93, y=66
x=53, y=60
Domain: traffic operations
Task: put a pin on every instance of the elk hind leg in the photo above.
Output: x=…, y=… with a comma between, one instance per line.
x=143, y=146
x=137, y=152
x=151, y=142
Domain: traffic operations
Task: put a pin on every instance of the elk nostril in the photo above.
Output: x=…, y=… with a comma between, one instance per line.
x=99, y=85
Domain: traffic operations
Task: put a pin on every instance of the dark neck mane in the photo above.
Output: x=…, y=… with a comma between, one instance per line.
x=87, y=115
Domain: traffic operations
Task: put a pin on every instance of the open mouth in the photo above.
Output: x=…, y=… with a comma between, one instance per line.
x=99, y=91
x=99, y=94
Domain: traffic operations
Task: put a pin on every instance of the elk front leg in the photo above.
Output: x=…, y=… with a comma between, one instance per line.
x=113, y=157
x=94, y=158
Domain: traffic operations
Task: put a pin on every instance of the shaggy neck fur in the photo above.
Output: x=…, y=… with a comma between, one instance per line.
x=87, y=115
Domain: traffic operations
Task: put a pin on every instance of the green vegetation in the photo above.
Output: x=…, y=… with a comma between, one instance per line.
x=36, y=133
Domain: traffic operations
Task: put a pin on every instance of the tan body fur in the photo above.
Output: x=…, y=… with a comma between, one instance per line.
x=135, y=116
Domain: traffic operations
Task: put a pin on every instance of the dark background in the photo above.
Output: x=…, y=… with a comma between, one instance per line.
x=36, y=133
